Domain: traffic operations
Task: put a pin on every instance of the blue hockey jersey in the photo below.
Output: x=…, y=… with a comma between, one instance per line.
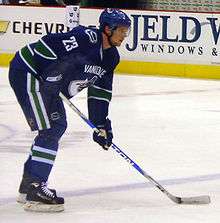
x=69, y=62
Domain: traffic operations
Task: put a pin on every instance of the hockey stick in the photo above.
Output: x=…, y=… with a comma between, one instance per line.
x=205, y=199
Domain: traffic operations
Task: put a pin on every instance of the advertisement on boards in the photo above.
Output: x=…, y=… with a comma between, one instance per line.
x=174, y=36
x=27, y=24
x=169, y=37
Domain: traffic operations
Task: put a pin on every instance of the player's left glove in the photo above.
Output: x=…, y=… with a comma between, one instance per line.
x=105, y=136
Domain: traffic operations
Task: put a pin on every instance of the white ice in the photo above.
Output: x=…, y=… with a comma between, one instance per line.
x=169, y=126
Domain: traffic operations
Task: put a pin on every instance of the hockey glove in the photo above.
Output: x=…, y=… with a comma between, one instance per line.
x=105, y=136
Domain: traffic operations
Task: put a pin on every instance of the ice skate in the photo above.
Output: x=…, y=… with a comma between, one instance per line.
x=24, y=187
x=41, y=199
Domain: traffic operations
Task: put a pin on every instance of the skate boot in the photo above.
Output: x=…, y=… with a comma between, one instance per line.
x=41, y=199
x=26, y=181
x=23, y=188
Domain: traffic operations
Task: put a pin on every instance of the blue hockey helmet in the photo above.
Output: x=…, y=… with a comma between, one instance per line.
x=113, y=18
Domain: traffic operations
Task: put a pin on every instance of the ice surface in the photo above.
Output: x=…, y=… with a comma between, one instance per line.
x=169, y=126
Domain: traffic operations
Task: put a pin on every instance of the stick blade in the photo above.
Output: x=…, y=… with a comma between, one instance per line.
x=205, y=199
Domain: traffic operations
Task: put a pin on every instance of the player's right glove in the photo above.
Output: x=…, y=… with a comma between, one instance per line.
x=105, y=136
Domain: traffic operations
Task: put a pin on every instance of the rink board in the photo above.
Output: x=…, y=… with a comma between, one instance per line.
x=150, y=68
x=161, y=43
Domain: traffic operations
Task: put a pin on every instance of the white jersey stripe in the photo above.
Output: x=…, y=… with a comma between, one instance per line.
x=32, y=101
x=40, y=54
x=94, y=86
x=42, y=160
x=27, y=62
x=32, y=53
x=34, y=106
x=52, y=52
x=46, y=119
x=41, y=149
x=100, y=99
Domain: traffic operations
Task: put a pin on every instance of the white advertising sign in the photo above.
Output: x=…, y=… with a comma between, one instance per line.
x=27, y=24
x=172, y=37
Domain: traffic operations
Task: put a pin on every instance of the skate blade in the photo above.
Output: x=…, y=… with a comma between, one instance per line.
x=21, y=198
x=41, y=207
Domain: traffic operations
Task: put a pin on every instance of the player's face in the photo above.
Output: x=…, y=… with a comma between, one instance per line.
x=119, y=35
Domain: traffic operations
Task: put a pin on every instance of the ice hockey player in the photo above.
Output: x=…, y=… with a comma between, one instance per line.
x=64, y=62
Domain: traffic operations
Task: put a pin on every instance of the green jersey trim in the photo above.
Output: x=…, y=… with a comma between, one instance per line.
x=43, y=50
x=98, y=93
x=27, y=55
